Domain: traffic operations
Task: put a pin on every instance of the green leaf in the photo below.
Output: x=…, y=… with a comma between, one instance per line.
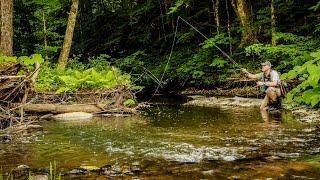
x=129, y=102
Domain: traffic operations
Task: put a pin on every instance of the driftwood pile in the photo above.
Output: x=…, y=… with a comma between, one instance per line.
x=14, y=88
x=106, y=101
x=18, y=97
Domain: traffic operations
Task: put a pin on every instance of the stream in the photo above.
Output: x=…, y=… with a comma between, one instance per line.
x=170, y=141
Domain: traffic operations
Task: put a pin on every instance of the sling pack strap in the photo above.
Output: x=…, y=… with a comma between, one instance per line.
x=283, y=88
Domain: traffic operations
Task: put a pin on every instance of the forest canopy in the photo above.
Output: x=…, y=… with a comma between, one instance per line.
x=137, y=37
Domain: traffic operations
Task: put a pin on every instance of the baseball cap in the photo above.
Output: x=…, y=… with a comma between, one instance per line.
x=266, y=63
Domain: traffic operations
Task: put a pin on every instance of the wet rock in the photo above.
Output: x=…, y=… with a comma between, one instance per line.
x=229, y=158
x=272, y=158
x=5, y=138
x=126, y=170
x=105, y=168
x=39, y=177
x=111, y=170
x=209, y=172
x=34, y=127
x=46, y=117
x=90, y=168
x=136, y=167
x=234, y=177
x=22, y=167
x=73, y=116
x=78, y=171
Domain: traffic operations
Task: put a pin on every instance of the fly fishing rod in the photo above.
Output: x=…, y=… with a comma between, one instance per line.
x=172, y=46
x=224, y=53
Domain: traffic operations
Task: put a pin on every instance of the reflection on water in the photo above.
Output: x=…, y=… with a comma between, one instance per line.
x=167, y=134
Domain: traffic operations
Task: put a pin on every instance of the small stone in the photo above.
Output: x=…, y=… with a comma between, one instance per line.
x=5, y=138
x=22, y=167
x=90, y=168
x=77, y=171
x=272, y=158
x=40, y=177
x=235, y=177
x=209, y=172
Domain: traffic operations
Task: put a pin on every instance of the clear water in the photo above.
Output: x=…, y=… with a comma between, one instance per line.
x=175, y=141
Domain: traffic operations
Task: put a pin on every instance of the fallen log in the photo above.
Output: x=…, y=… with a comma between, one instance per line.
x=61, y=108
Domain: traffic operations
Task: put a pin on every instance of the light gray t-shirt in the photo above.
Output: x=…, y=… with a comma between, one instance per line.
x=273, y=76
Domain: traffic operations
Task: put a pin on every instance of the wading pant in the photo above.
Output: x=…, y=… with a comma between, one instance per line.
x=272, y=94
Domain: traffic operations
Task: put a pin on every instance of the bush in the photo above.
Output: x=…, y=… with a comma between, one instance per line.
x=308, y=92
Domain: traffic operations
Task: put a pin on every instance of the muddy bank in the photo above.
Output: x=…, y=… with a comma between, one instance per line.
x=303, y=113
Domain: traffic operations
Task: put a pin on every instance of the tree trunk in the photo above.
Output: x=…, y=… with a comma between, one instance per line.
x=64, y=54
x=0, y=23
x=229, y=27
x=6, y=43
x=216, y=14
x=273, y=23
x=44, y=31
x=244, y=15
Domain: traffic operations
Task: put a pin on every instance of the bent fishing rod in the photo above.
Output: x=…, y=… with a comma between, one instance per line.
x=172, y=46
x=224, y=53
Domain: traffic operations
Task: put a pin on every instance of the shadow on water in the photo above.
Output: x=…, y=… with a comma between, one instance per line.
x=177, y=142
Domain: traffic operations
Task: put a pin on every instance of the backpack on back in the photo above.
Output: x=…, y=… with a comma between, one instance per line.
x=284, y=89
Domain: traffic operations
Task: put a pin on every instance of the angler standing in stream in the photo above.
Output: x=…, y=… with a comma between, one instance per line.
x=269, y=82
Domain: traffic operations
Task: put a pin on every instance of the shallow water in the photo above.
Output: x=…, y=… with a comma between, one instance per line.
x=172, y=141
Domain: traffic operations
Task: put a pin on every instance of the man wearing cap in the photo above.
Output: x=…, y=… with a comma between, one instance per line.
x=268, y=81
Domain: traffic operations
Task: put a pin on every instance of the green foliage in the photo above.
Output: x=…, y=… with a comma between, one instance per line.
x=219, y=39
x=71, y=79
x=8, y=59
x=122, y=27
x=201, y=69
x=29, y=61
x=100, y=63
x=129, y=102
x=133, y=63
x=308, y=92
x=176, y=6
x=289, y=38
x=75, y=63
x=45, y=16
x=284, y=56
x=91, y=79
x=53, y=172
x=218, y=62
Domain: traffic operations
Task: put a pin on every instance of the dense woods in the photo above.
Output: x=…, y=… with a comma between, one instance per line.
x=137, y=37
x=159, y=89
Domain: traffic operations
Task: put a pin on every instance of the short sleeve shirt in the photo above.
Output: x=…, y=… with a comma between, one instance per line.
x=274, y=76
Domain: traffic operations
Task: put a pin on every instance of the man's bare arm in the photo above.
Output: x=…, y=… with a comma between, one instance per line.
x=249, y=75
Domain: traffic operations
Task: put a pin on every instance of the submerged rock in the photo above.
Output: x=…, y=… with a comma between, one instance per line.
x=39, y=177
x=73, y=116
x=5, y=138
x=90, y=168
x=209, y=172
x=77, y=171
x=22, y=167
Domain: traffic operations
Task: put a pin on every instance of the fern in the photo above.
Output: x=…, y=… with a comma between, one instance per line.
x=308, y=92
